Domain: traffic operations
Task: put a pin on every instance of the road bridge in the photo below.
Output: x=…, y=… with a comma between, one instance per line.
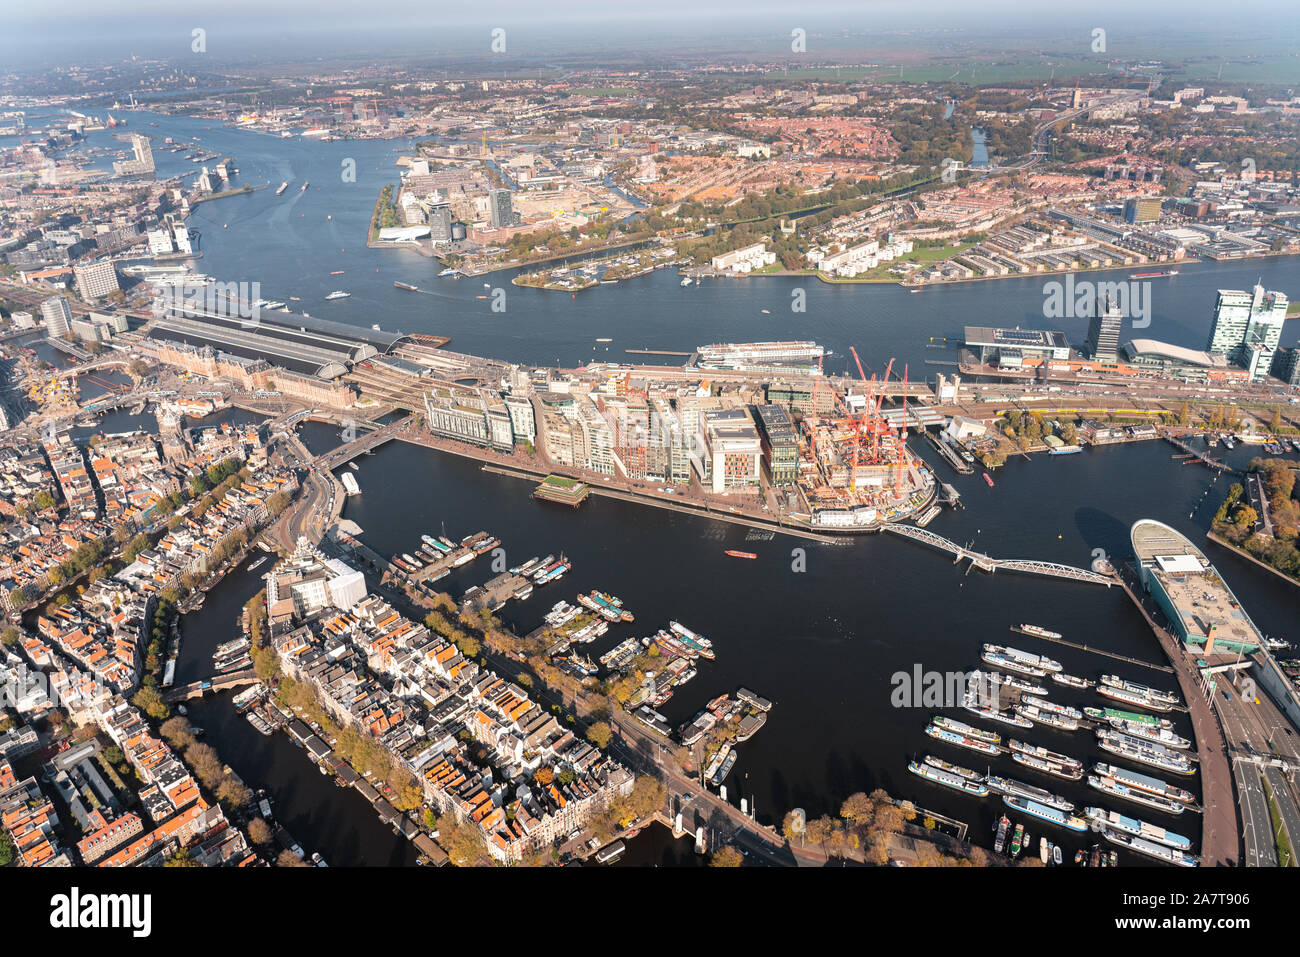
x=362, y=444
x=197, y=689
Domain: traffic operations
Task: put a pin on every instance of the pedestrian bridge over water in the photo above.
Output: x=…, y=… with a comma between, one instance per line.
x=986, y=563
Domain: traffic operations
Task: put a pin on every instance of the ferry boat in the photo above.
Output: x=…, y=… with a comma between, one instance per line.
x=993, y=681
x=1039, y=632
x=928, y=516
x=1151, y=733
x=948, y=779
x=621, y=654
x=1137, y=827
x=1049, y=718
x=1105, y=715
x=434, y=543
x=1065, y=711
x=1047, y=767
x=698, y=643
x=258, y=722
x=283, y=187
x=1113, y=787
x=245, y=699
x=338, y=294
x=735, y=554
x=956, y=769
x=1045, y=813
x=1133, y=698
x=1042, y=795
x=561, y=613
x=1036, y=751
x=715, y=762
x=962, y=741
x=1000, y=841
x=1151, y=849
x=958, y=727
x=257, y=564
x=1070, y=681
x=227, y=648
x=1025, y=658
x=1154, y=275
x=607, y=606
x=993, y=714
x=999, y=660
x=727, y=764
x=1144, y=752
x=552, y=572
x=1144, y=782
x=407, y=286
x=1155, y=694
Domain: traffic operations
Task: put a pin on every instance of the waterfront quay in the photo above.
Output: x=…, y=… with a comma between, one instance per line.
x=1221, y=842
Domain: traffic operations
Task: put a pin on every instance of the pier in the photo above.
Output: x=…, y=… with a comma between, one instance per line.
x=986, y=563
x=949, y=454
x=1220, y=823
x=1096, y=651
x=495, y=592
x=1202, y=457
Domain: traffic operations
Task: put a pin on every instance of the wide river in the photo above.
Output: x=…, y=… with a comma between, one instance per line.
x=821, y=642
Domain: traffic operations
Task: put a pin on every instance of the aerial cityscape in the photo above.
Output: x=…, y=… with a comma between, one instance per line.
x=757, y=438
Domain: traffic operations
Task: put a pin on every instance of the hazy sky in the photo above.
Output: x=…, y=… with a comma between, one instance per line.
x=63, y=31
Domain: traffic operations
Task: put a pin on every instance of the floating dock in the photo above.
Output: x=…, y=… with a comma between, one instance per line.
x=557, y=488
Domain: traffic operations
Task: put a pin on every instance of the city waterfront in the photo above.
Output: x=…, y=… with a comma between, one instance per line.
x=826, y=652
x=293, y=243
x=849, y=616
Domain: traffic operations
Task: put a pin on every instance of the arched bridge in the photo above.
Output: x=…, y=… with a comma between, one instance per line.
x=197, y=689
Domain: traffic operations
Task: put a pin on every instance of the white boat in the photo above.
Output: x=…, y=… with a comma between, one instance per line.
x=338, y=294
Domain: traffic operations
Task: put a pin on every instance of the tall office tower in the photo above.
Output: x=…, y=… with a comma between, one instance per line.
x=142, y=164
x=1247, y=328
x=57, y=316
x=500, y=212
x=1103, y=331
x=95, y=280
x=440, y=222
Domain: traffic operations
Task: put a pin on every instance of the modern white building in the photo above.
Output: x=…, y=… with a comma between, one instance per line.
x=745, y=260
x=734, y=449
x=1247, y=328
x=160, y=242
x=95, y=280
x=57, y=316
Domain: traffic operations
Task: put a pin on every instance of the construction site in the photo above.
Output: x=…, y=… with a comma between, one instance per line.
x=855, y=468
